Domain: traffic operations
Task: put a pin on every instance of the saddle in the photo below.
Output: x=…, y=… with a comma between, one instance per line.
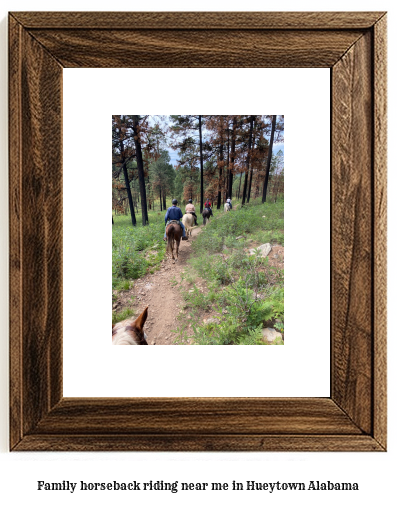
x=174, y=222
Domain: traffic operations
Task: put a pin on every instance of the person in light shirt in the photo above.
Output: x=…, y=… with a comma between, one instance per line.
x=190, y=209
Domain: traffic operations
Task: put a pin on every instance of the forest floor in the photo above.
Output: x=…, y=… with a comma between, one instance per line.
x=160, y=291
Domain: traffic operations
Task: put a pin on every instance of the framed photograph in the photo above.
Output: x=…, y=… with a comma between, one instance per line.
x=353, y=46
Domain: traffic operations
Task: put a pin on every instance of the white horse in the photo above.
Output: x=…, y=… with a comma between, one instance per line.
x=130, y=332
x=188, y=222
x=227, y=206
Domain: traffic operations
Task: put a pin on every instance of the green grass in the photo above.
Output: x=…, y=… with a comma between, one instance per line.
x=244, y=290
x=125, y=314
x=253, y=218
x=136, y=250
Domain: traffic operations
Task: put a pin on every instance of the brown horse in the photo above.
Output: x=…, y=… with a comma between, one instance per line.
x=130, y=332
x=174, y=234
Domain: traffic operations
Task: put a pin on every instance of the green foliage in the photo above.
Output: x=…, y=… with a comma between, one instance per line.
x=178, y=185
x=211, y=334
x=135, y=250
x=194, y=298
x=241, y=318
x=279, y=326
x=244, y=290
x=225, y=228
x=162, y=173
x=254, y=337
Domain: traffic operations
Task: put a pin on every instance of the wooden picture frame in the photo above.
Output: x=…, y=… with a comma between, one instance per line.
x=353, y=46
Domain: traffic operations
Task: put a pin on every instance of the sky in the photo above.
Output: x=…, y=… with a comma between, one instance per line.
x=174, y=153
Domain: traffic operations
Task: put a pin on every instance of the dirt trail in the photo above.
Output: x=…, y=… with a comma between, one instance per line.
x=158, y=292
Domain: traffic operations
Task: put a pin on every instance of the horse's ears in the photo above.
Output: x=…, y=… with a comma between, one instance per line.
x=140, y=321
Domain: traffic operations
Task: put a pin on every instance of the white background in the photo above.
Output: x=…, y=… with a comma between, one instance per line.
x=205, y=370
x=19, y=472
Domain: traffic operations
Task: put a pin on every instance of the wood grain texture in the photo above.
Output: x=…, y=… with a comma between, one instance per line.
x=352, y=233
x=15, y=241
x=36, y=188
x=196, y=48
x=173, y=416
x=200, y=20
x=199, y=443
x=380, y=229
x=354, y=45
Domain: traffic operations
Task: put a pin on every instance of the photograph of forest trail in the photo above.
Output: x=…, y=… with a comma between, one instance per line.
x=198, y=230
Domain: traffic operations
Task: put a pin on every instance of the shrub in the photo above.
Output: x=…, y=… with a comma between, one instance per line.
x=129, y=247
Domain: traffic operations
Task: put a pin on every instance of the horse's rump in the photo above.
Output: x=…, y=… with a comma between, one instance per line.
x=174, y=234
x=206, y=214
x=188, y=222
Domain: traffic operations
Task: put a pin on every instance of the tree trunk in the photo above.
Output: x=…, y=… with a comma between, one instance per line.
x=227, y=175
x=201, y=168
x=127, y=184
x=249, y=185
x=164, y=200
x=269, y=159
x=248, y=161
x=239, y=186
x=220, y=176
x=161, y=205
x=232, y=156
x=251, y=172
x=244, y=188
x=141, y=174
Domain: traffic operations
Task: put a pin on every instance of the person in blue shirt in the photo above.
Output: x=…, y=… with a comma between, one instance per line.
x=175, y=213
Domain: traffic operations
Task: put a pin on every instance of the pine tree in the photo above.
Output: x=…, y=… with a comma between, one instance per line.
x=269, y=158
x=121, y=156
x=187, y=134
x=251, y=125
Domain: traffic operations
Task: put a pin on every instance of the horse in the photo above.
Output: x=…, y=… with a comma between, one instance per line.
x=206, y=215
x=130, y=332
x=227, y=206
x=174, y=234
x=188, y=222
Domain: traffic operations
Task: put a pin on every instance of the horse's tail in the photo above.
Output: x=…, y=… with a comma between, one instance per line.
x=170, y=237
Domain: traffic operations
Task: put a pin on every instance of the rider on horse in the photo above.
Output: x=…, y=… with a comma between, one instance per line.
x=174, y=213
x=190, y=209
x=229, y=201
x=207, y=205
